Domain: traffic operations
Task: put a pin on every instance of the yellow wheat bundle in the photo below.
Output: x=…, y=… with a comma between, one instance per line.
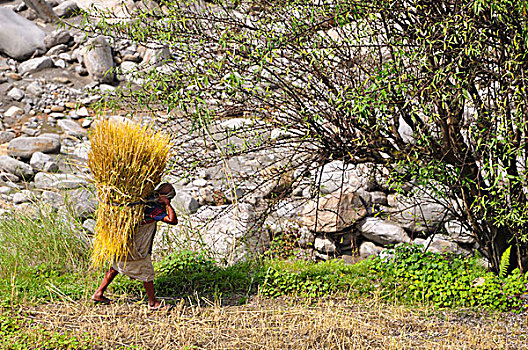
x=127, y=161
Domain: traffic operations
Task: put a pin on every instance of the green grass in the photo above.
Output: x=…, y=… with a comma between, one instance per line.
x=42, y=256
x=17, y=334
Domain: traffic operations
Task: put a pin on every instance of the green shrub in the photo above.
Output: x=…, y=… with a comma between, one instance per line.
x=187, y=273
x=447, y=280
x=310, y=279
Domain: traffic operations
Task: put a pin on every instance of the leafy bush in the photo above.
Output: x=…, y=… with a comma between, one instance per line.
x=309, y=279
x=447, y=280
x=186, y=273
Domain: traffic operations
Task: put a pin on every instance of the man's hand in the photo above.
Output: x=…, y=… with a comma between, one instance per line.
x=171, y=217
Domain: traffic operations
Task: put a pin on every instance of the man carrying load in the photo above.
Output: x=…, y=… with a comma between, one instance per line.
x=138, y=263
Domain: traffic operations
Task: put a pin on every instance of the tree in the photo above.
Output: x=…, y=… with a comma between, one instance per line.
x=433, y=90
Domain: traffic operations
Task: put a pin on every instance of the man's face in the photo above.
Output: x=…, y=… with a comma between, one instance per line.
x=167, y=191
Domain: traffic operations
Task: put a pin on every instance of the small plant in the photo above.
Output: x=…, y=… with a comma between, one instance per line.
x=504, y=263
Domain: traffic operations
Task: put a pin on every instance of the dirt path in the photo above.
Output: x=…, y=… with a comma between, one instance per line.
x=282, y=324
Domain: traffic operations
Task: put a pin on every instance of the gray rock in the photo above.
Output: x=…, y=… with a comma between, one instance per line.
x=59, y=181
x=8, y=177
x=66, y=9
x=16, y=94
x=35, y=89
x=13, y=111
x=29, y=131
x=416, y=213
x=324, y=245
x=89, y=225
x=39, y=159
x=82, y=112
x=382, y=232
x=378, y=197
x=369, y=249
x=232, y=235
x=59, y=63
x=51, y=167
x=6, y=136
x=19, y=38
x=459, y=233
x=71, y=128
x=337, y=174
x=200, y=183
x=58, y=50
x=82, y=150
x=57, y=37
x=86, y=123
x=20, y=197
x=98, y=59
x=439, y=244
x=24, y=147
x=82, y=202
x=185, y=202
x=35, y=65
x=16, y=167
x=52, y=198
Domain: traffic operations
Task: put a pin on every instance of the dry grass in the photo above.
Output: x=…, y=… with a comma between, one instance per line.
x=283, y=324
x=127, y=161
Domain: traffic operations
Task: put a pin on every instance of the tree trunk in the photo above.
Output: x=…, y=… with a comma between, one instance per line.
x=497, y=245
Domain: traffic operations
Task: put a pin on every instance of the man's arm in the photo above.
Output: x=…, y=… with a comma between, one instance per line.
x=171, y=218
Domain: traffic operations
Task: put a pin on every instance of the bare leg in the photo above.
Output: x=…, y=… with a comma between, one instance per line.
x=149, y=287
x=107, y=279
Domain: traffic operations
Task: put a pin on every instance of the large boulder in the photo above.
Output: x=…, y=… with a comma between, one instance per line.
x=98, y=59
x=336, y=174
x=16, y=167
x=230, y=233
x=439, y=244
x=184, y=202
x=19, y=38
x=24, y=147
x=382, y=232
x=59, y=181
x=417, y=214
x=333, y=213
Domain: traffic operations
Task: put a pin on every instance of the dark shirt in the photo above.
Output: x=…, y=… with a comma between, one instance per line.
x=153, y=212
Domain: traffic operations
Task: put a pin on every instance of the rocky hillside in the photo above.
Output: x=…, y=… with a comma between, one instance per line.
x=51, y=76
